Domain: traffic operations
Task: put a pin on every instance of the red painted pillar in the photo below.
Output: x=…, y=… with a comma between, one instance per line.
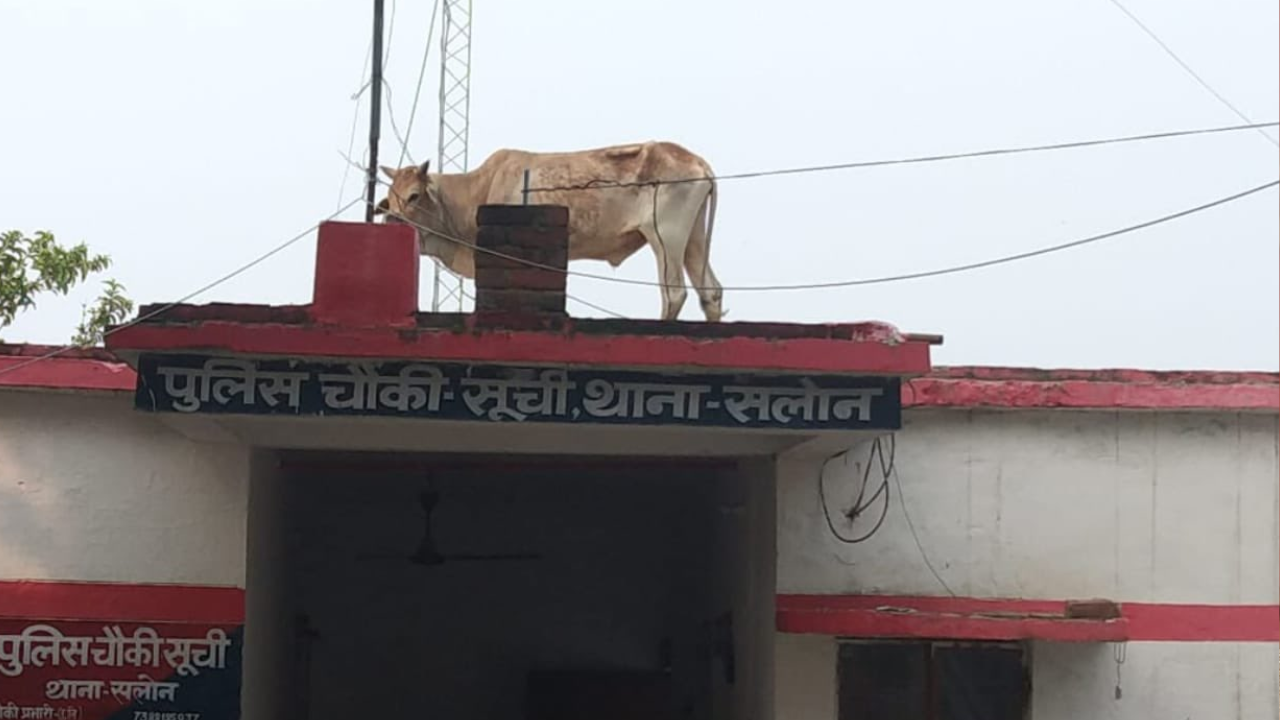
x=366, y=275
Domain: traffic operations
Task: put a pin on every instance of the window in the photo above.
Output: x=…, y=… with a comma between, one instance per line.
x=932, y=681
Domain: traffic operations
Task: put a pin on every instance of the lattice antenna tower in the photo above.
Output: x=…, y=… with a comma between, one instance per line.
x=455, y=122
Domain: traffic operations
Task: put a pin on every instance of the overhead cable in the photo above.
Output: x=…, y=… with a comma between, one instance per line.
x=877, y=280
x=194, y=293
x=1194, y=75
x=417, y=92
x=610, y=184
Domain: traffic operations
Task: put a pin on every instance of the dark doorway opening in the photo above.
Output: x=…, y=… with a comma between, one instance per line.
x=932, y=680
x=509, y=588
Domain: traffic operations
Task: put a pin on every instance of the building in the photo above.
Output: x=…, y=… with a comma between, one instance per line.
x=217, y=517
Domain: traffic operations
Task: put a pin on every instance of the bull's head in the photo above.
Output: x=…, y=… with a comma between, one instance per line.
x=414, y=199
x=411, y=197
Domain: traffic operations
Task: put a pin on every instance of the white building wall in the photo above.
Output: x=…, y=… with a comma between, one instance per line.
x=91, y=490
x=1053, y=504
x=1219, y=681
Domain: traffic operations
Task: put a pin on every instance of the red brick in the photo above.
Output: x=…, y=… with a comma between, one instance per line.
x=521, y=278
x=491, y=235
x=1092, y=609
x=530, y=302
x=541, y=322
x=523, y=215
x=511, y=256
x=534, y=237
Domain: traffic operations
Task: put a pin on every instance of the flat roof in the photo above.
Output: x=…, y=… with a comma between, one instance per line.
x=866, y=348
x=943, y=387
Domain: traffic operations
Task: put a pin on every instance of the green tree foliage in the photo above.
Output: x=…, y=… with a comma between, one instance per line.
x=35, y=264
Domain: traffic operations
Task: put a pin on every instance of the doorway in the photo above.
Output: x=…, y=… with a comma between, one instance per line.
x=932, y=680
x=505, y=587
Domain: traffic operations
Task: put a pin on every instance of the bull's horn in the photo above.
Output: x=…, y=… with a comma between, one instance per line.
x=425, y=167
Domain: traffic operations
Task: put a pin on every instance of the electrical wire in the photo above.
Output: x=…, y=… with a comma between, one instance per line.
x=594, y=306
x=567, y=296
x=355, y=120
x=876, y=280
x=859, y=506
x=902, y=501
x=888, y=470
x=417, y=92
x=359, y=94
x=199, y=291
x=600, y=184
x=1194, y=75
x=391, y=116
x=391, y=33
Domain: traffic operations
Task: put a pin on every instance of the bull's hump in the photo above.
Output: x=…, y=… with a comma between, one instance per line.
x=623, y=151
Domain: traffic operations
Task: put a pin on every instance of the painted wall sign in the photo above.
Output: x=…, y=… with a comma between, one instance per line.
x=201, y=384
x=94, y=670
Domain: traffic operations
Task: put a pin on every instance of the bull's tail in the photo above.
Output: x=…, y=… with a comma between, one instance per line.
x=711, y=223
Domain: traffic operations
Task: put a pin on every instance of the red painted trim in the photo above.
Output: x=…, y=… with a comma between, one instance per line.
x=1000, y=619
x=1089, y=394
x=74, y=370
x=845, y=615
x=1112, y=375
x=1224, y=623
x=940, y=618
x=58, y=600
x=674, y=351
x=945, y=387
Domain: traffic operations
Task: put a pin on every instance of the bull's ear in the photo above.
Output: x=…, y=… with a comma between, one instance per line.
x=387, y=171
x=382, y=207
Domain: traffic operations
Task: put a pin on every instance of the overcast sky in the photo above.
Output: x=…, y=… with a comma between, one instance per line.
x=186, y=138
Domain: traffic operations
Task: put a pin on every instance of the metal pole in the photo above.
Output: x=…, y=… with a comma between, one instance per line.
x=375, y=113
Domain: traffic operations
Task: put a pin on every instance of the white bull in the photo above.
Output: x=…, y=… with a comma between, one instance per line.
x=620, y=199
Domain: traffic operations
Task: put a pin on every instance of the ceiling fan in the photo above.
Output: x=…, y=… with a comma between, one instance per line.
x=427, y=554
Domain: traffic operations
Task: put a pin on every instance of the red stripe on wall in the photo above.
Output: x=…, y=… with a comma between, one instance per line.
x=1001, y=619
x=846, y=615
x=121, y=602
x=1225, y=623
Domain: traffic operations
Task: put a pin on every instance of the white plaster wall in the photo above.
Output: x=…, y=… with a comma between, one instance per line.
x=1153, y=507
x=1199, y=681
x=92, y=490
x=1144, y=507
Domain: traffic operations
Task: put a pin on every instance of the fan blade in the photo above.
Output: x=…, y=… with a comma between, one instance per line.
x=381, y=556
x=472, y=557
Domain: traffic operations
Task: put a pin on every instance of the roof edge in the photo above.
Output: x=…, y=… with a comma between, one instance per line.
x=23, y=366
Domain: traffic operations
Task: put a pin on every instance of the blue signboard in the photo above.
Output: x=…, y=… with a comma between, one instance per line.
x=500, y=393
x=56, y=669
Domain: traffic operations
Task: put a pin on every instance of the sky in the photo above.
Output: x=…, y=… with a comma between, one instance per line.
x=185, y=139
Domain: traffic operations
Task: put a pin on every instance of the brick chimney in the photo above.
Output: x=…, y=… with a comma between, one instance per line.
x=520, y=280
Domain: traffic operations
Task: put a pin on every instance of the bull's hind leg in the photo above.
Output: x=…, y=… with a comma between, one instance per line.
x=667, y=232
x=698, y=263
